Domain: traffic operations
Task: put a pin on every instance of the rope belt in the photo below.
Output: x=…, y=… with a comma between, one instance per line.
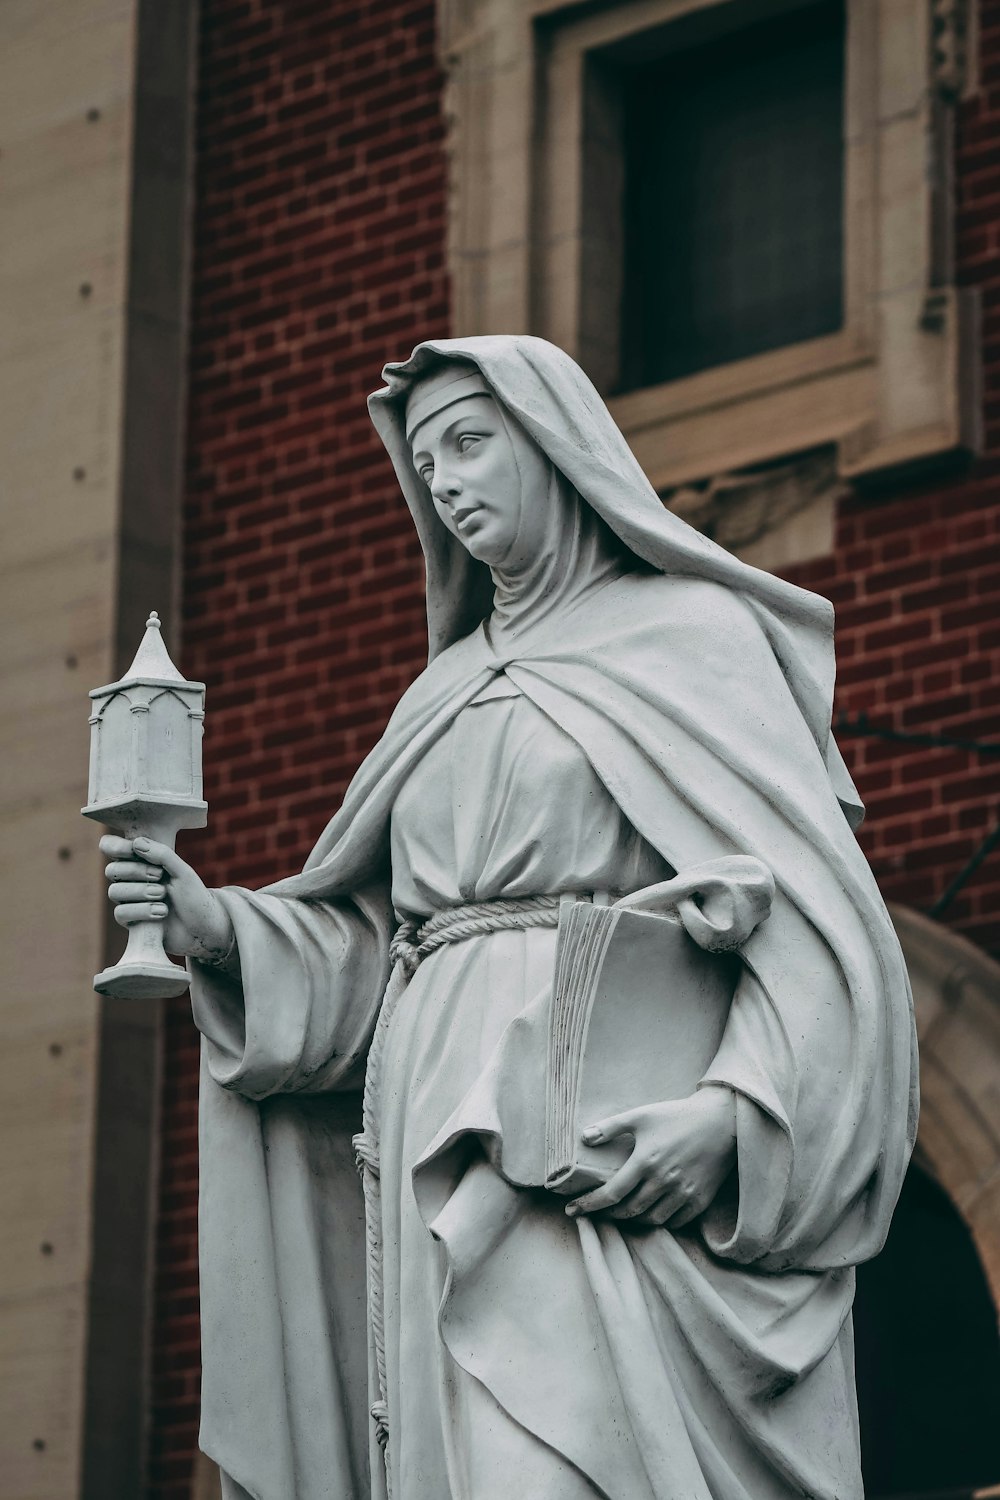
x=415, y=941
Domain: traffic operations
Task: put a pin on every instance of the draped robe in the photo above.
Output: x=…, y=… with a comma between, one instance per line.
x=721, y=1354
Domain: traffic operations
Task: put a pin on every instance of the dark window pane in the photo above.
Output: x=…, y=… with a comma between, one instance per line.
x=733, y=197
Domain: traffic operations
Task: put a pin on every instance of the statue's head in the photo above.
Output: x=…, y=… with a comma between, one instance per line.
x=512, y=426
x=486, y=477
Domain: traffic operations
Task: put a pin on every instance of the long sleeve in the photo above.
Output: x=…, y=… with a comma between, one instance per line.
x=281, y=1222
x=298, y=1015
x=756, y=1062
x=808, y=1128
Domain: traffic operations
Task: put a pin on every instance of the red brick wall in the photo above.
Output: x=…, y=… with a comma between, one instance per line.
x=319, y=243
x=319, y=252
x=916, y=583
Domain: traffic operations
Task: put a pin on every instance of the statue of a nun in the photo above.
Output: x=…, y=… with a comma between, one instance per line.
x=610, y=699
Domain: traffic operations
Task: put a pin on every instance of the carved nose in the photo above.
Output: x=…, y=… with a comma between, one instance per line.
x=449, y=490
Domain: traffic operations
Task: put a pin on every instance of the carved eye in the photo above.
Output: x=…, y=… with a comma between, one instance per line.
x=426, y=473
x=468, y=440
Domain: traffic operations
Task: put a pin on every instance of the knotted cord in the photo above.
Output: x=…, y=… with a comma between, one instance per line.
x=413, y=942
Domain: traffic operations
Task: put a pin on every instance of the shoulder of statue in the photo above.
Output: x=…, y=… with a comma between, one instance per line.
x=649, y=597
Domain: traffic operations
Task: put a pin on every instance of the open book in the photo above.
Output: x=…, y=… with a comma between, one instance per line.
x=637, y=1014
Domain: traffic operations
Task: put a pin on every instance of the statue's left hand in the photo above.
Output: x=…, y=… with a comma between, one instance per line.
x=684, y=1150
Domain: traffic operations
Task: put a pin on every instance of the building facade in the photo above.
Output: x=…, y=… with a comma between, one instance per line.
x=770, y=231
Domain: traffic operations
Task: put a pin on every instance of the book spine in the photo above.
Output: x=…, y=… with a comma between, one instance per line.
x=585, y=934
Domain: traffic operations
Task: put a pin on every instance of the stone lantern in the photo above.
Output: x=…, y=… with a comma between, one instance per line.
x=145, y=780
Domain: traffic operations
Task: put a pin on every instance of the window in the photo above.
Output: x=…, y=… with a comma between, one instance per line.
x=733, y=213
x=733, y=197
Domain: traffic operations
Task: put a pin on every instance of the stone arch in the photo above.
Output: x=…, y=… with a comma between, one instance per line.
x=956, y=991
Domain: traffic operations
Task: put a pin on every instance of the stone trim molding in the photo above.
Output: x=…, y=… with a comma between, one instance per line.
x=956, y=992
x=894, y=388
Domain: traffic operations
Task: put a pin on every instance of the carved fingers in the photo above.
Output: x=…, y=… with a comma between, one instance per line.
x=663, y=1194
x=677, y=1219
x=647, y=1190
x=160, y=854
x=149, y=882
x=140, y=911
x=135, y=889
x=137, y=901
x=115, y=847
x=627, y=1123
x=617, y=1187
x=132, y=856
x=683, y=1151
x=133, y=871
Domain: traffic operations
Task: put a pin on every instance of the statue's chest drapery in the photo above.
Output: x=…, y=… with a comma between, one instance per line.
x=506, y=804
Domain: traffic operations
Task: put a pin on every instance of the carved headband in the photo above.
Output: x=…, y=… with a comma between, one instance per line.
x=440, y=389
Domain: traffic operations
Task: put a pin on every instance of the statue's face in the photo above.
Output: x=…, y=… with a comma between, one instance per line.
x=465, y=457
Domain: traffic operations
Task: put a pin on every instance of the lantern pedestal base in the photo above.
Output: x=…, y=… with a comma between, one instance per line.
x=142, y=981
x=144, y=972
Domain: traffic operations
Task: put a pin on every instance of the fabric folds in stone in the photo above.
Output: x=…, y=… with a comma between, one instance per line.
x=689, y=698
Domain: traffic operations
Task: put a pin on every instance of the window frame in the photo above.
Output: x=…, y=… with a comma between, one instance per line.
x=894, y=388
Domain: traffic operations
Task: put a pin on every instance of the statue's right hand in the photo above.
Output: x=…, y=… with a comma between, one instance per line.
x=149, y=882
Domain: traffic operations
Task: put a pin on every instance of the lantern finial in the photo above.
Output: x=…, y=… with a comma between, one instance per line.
x=152, y=660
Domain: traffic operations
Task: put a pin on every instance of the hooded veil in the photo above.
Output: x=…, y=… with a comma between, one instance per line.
x=700, y=691
x=553, y=400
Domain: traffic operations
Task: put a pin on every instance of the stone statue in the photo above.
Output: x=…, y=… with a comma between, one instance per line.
x=611, y=701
